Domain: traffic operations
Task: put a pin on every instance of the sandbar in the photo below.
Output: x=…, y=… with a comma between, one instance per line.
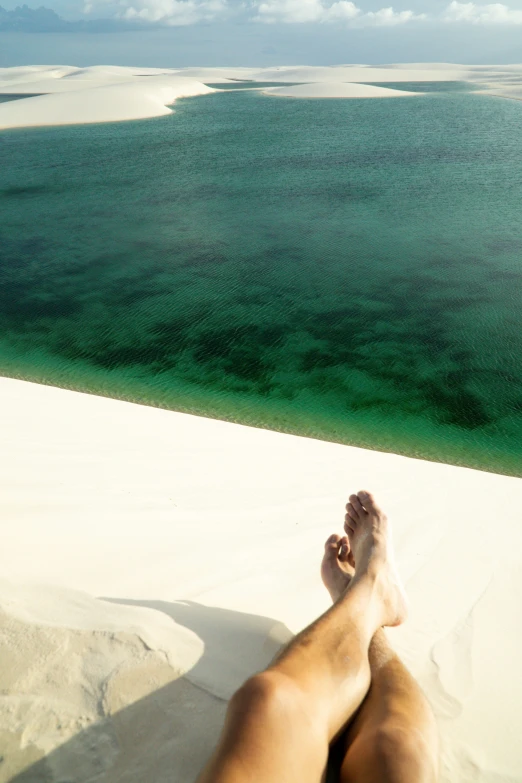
x=337, y=90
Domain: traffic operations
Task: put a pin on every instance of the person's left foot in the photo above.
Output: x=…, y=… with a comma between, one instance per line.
x=338, y=565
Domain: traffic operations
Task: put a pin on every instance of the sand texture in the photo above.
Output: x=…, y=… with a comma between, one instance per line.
x=152, y=560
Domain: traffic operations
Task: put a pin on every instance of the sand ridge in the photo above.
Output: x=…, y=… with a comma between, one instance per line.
x=64, y=96
x=337, y=90
x=67, y=95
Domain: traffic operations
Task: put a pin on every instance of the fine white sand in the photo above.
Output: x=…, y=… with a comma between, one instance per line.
x=70, y=95
x=337, y=90
x=348, y=73
x=152, y=560
x=499, y=80
x=87, y=103
x=218, y=75
x=28, y=80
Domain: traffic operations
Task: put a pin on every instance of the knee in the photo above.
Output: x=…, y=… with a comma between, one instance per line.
x=268, y=693
x=408, y=748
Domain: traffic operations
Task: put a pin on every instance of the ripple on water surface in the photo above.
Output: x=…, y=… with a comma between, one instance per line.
x=349, y=270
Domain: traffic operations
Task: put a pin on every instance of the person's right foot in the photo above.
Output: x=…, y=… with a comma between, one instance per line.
x=370, y=541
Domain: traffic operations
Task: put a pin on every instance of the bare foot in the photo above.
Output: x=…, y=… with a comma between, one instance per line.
x=338, y=565
x=370, y=541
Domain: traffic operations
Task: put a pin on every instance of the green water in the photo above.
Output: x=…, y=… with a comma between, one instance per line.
x=6, y=98
x=348, y=270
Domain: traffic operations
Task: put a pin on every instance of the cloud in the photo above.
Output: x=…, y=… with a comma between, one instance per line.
x=387, y=17
x=301, y=11
x=298, y=11
x=173, y=12
x=494, y=13
x=133, y=14
x=188, y=12
x=43, y=20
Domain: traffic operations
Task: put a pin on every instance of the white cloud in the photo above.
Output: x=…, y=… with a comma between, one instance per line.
x=346, y=12
x=387, y=17
x=494, y=13
x=173, y=12
x=343, y=10
x=295, y=11
x=300, y=11
x=289, y=11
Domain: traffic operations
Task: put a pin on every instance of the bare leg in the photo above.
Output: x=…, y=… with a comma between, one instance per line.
x=393, y=737
x=280, y=723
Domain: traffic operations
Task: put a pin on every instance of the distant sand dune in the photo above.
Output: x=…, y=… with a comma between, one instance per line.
x=113, y=93
x=337, y=90
x=348, y=73
x=81, y=102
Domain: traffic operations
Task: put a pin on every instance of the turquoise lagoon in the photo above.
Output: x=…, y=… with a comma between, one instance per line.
x=346, y=270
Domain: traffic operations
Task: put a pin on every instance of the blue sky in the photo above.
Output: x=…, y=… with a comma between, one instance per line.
x=271, y=32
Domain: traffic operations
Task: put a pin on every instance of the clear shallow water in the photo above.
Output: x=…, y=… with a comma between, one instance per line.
x=348, y=270
x=13, y=97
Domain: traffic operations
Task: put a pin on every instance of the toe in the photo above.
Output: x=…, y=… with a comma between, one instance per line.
x=351, y=512
x=332, y=544
x=350, y=507
x=367, y=500
x=345, y=549
x=356, y=503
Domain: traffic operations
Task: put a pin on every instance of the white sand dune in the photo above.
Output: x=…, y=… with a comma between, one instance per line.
x=46, y=86
x=506, y=91
x=358, y=74
x=502, y=90
x=128, y=100
x=217, y=75
x=337, y=90
x=503, y=81
x=28, y=81
x=428, y=66
x=118, y=70
x=152, y=560
x=33, y=73
x=110, y=93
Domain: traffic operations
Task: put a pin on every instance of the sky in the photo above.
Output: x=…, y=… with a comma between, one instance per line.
x=178, y=33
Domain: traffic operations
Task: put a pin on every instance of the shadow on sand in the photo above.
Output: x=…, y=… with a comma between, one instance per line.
x=167, y=736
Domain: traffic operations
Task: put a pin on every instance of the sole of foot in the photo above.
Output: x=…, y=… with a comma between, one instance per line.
x=369, y=537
